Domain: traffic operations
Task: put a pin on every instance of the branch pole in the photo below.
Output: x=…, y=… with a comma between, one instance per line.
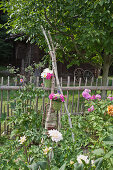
x=54, y=65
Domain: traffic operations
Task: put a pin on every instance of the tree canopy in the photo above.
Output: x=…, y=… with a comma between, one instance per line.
x=4, y=54
x=82, y=29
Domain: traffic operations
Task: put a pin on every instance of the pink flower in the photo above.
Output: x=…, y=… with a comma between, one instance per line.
x=42, y=84
x=98, y=96
x=110, y=97
x=87, y=90
x=86, y=95
x=62, y=98
x=21, y=80
x=91, y=109
x=51, y=96
x=49, y=75
x=92, y=97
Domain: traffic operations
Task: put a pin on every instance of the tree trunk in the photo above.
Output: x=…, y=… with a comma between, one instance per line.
x=105, y=68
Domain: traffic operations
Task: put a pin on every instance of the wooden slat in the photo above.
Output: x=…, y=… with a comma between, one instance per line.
x=86, y=81
x=8, y=103
x=92, y=80
x=78, y=102
x=68, y=84
x=63, y=88
x=73, y=96
x=1, y=103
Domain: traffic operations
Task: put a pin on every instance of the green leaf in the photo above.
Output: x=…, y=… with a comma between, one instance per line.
x=99, y=151
x=35, y=166
x=3, y=117
x=108, y=140
x=78, y=166
x=108, y=155
x=63, y=166
x=13, y=133
x=98, y=163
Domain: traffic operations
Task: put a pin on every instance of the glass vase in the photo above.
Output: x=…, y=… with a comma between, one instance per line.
x=47, y=83
x=56, y=105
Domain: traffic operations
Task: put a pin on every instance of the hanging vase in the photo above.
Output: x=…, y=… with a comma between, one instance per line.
x=56, y=105
x=47, y=83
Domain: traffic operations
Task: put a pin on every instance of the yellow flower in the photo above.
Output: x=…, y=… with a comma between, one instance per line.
x=110, y=110
x=46, y=150
x=22, y=139
x=71, y=162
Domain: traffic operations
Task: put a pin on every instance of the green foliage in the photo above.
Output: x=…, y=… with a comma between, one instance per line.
x=80, y=29
x=5, y=54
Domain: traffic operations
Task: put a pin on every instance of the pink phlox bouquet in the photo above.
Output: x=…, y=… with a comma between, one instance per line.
x=57, y=97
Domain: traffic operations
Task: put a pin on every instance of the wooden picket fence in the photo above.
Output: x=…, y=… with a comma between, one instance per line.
x=71, y=88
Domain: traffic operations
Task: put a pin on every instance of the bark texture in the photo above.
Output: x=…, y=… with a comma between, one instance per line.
x=105, y=68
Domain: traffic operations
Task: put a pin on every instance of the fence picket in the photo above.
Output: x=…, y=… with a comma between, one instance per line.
x=8, y=83
x=1, y=103
x=73, y=97
x=78, y=102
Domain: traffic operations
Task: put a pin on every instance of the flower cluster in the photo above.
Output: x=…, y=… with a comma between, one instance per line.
x=55, y=135
x=21, y=80
x=110, y=97
x=88, y=96
x=110, y=110
x=85, y=159
x=46, y=150
x=47, y=73
x=91, y=109
x=22, y=139
x=57, y=96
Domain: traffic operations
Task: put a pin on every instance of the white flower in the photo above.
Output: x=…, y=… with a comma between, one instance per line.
x=55, y=135
x=71, y=162
x=92, y=162
x=22, y=139
x=46, y=70
x=82, y=157
x=46, y=150
x=43, y=75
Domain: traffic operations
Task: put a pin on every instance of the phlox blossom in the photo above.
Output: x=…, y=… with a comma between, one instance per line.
x=62, y=97
x=84, y=158
x=49, y=75
x=22, y=139
x=55, y=135
x=91, y=109
x=87, y=90
x=57, y=97
x=86, y=95
x=98, y=96
x=110, y=97
x=51, y=96
x=93, y=97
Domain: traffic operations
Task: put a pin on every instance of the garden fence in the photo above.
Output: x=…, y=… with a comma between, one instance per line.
x=71, y=88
